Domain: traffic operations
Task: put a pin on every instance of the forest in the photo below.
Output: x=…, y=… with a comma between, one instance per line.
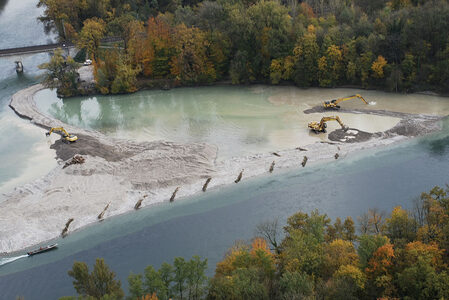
x=397, y=45
x=403, y=255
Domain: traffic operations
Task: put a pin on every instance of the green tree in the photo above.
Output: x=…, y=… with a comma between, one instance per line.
x=368, y=244
x=125, y=80
x=135, y=286
x=331, y=67
x=420, y=276
x=191, y=63
x=295, y=286
x=306, y=54
x=90, y=36
x=166, y=272
x=154, y=283
x=303, y=245
x=400, y=227
x=275, y=71
x=196, y=278
x=61, y=73
x=180, y=278
x=365, y=62
x=435, y=219
x=97, y=284
x=338, y=253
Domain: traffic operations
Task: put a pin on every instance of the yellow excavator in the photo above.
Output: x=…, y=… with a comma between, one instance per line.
x=321, y=126
x=66, y=137
x=334, y=103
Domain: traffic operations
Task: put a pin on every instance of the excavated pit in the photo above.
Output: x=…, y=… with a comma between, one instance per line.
x=352, y=135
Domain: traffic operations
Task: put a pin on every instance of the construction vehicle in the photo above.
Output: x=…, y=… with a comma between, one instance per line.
x=321, y=126
x=334, y=103
x=66, y=137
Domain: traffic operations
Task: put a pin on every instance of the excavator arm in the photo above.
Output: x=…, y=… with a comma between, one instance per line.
x=334, y=103
x=65, y=135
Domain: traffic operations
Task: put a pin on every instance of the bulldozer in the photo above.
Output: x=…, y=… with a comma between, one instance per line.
x=66, y=137
x=333, y=104
x=321, y=126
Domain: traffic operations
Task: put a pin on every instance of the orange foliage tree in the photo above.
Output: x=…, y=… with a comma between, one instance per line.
x=379, y=270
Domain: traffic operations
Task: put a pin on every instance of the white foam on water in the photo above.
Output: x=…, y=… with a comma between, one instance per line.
x=7, y=260
x=372, y=103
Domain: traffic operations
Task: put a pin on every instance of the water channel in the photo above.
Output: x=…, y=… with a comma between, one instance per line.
x=248, y=119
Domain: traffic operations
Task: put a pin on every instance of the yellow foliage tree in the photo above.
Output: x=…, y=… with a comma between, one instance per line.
x=351, y=273
x=276, y=71
x=191, y=63
x=226, y=266
x=338, y=253
x=150, y=297
x=90, y=36
x=428, y=252
x=378, y=67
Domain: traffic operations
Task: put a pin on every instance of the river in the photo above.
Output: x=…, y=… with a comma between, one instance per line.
x=205, y=225
x=24, y=153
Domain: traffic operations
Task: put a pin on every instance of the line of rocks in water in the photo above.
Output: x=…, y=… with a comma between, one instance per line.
x=79, y=160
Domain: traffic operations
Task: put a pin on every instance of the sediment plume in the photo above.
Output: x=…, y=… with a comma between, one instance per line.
x=206, y=184
x=174, y=194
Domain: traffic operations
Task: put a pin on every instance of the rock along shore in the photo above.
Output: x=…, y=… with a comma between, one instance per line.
x=123, y=172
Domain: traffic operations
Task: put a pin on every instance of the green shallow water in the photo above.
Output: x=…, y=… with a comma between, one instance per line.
x=239, y=120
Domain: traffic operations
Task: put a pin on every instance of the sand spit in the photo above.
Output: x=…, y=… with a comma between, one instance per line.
x=122, y=173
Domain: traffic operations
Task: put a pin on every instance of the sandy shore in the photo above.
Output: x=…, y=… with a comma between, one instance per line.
x=122, y=172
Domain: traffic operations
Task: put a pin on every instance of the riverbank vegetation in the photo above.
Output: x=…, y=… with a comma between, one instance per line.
x=399, y=45
x=404, y=255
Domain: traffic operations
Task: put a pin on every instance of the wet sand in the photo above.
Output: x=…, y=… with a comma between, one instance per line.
x=123, y=172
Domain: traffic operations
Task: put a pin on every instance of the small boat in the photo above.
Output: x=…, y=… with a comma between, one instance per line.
x=43, y=249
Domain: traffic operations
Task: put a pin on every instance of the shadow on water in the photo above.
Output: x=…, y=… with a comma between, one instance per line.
x=439, y=146
x=2, y=5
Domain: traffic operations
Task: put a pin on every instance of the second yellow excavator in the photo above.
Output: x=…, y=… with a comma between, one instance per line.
x=66, y=137
x=334, y=103
x=321, y=126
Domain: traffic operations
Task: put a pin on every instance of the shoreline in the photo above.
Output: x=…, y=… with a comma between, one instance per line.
x=122, y=172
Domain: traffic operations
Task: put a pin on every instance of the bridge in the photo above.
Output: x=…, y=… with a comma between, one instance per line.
x=47, y=48
x=33, y=49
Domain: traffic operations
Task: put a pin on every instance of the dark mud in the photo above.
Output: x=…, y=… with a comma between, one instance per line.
x=350, y=136
x=406, y=127
x=87, y=145
x=411, y=125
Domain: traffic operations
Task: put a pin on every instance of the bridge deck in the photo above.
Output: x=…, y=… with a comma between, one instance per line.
x=46, y=48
